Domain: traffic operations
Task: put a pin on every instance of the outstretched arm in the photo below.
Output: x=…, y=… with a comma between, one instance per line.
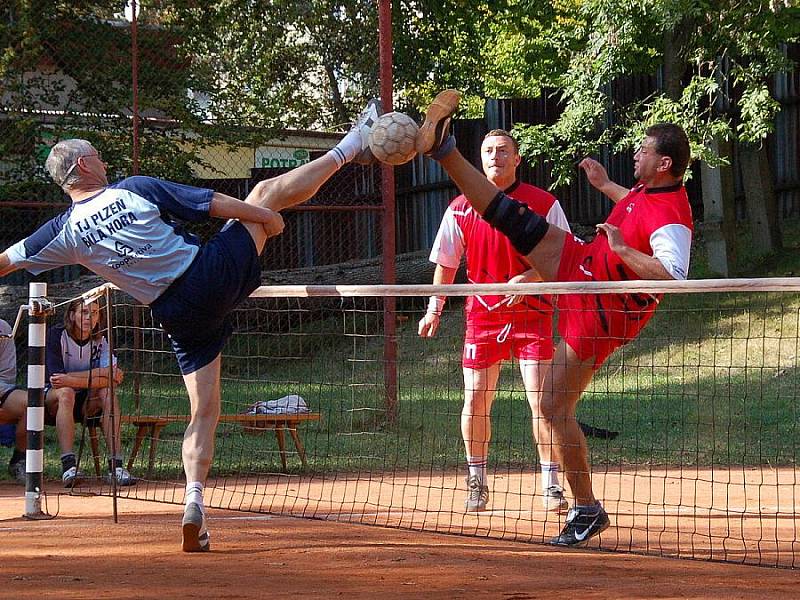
x=598, y=177
x=227, y=207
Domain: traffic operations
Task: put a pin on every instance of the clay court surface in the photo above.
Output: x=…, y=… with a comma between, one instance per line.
x=82, y=553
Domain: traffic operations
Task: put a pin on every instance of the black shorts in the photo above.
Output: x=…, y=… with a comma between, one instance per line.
x=81, y=396
x=5, y=392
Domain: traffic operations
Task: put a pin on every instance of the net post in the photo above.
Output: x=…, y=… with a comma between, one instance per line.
x=38, y=310
x=388, y=237
x=116, y=443
x=135, y=171
x=135, y=85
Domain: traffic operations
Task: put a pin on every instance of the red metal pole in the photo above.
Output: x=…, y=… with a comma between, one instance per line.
x=135, y=84
x=137, y=311
x=387, y=191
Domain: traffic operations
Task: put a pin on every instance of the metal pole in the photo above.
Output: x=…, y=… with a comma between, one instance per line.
x=116, y=444
x=38, y=307
x=135, y=84
x=387, y=192
x=137, y=311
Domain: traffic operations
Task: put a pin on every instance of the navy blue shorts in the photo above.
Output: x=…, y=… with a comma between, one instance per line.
x=195, y=310
x=81, y=396
x=5, y=391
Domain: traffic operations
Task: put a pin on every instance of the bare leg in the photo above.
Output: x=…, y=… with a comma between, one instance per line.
x=64, y=398
x=21, y=440
x=112, y=436
x=203, y=387
x=533, y=372
x=476, y=415
x=289, y=189
x=563, y=386
x=300, y=184
x=15, y=411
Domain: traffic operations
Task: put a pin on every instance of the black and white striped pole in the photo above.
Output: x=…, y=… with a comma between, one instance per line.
x=38, y=309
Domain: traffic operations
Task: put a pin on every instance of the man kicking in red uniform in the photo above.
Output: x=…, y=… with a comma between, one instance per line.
x=646, y=236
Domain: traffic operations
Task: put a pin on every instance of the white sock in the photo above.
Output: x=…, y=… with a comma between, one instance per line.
x=477, y=466
x=194, y=493
x=549, y=474
x=348, y=148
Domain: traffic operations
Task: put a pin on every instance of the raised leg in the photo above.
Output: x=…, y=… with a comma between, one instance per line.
x=303, y=182
x=434, y=139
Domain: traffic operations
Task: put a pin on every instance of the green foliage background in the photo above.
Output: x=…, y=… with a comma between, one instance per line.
x=236, y=71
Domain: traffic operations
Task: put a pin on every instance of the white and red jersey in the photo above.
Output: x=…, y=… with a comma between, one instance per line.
x=490, y=256
x=656, y=222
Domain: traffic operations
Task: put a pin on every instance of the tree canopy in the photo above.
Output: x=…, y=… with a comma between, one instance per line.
x=238, y=69
x=714, y=59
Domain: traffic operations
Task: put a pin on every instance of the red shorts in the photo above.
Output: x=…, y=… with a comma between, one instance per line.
x=594, y=325
x=524, y=334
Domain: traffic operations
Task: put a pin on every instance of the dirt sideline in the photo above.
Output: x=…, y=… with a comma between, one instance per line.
x=83, y=553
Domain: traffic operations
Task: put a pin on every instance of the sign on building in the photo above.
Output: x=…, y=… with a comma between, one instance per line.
x=281, y=158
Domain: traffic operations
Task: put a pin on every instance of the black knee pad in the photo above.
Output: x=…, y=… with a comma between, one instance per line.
x=523, y=227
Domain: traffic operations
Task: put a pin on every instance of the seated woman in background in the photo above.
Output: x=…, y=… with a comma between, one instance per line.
x=13, y=405
x=78, y=364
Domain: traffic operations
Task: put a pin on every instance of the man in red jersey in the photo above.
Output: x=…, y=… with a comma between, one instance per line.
x=646, y=236
x=497, y=326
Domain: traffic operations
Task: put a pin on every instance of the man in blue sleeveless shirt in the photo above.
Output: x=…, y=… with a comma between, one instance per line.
x=126, y=233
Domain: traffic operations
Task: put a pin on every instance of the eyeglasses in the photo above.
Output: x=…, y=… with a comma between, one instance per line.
x=75, y=164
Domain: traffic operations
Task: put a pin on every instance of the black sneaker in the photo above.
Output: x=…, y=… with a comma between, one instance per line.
x=581, y=526
x=435, y=130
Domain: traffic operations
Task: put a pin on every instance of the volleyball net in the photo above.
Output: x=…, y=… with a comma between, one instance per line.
x=335, y=408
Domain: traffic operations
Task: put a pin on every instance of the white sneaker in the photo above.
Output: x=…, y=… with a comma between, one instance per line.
x=71, y=477
x=195, y=529
x=477, y=495
x=364, y=124
x=124, y=478
x=553, y=499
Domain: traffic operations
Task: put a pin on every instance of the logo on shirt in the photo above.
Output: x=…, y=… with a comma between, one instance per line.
x=128, y=255
x=123, y=249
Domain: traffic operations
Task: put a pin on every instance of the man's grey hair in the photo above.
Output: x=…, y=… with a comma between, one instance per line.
x=62, y=160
